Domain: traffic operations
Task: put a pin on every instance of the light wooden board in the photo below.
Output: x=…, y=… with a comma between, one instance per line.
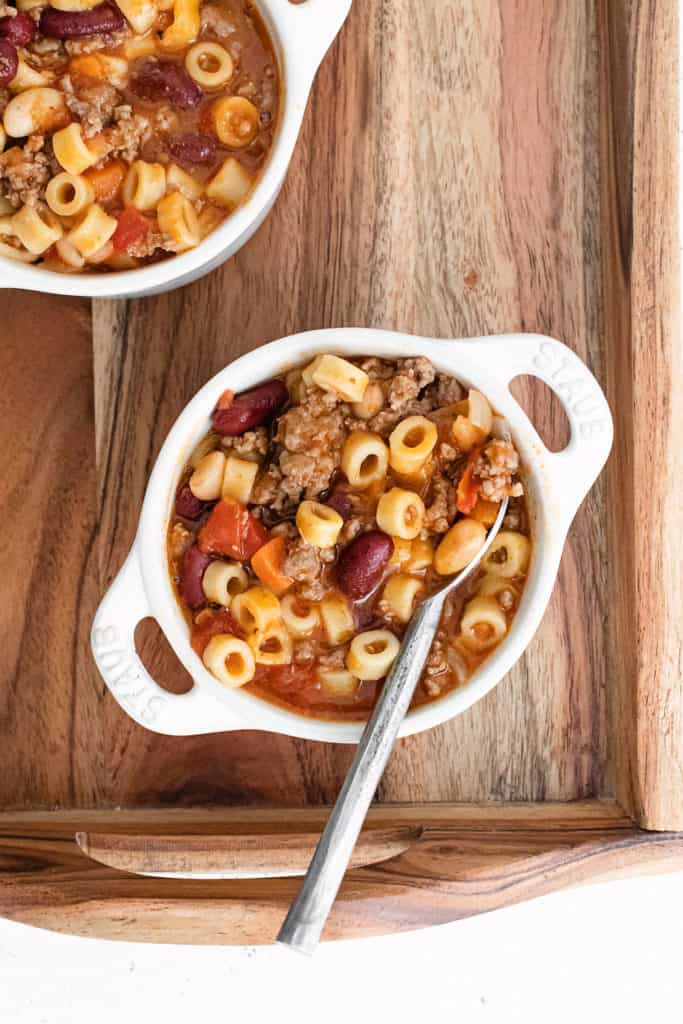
x=445, y=190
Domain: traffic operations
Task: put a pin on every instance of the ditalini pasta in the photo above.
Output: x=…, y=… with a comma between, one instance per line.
x=320, y=510
x=139, y=125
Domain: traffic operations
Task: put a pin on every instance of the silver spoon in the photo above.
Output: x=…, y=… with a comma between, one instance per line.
x=308, y=913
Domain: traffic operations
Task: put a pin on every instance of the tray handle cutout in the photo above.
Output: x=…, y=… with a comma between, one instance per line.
x=113, y=645
x=268, y=855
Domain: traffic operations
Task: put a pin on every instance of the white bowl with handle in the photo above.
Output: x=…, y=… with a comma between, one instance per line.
x=555, y=484
x=302, y=34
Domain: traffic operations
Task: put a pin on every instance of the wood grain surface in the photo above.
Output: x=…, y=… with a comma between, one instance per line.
x=466, y=860
x=216, y=855
x=465, y=168
x=445, y=188
x=51, y=745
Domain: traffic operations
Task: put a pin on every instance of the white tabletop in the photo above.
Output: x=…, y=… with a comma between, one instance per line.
x=611, y=952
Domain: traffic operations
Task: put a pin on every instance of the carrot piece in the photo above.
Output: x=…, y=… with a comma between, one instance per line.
x=86, y=65
x=232, y=530
x=468, y=488
x=225, y=401
x=267, y=563
x=107, y=181
x=485, y=511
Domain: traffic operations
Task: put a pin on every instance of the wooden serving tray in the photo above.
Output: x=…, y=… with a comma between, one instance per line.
x=465, y=168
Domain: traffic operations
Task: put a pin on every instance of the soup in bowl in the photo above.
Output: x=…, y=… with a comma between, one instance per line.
x=142, y=142
x=322, y=508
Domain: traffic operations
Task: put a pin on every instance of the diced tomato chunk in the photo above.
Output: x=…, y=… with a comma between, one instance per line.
x=213, y=624
x=232, y=530
x=468, y=488
x=131, y=228
x=285, y=678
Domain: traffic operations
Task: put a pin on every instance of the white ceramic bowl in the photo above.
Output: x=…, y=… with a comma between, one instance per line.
x=302, y=34
x=555, y=483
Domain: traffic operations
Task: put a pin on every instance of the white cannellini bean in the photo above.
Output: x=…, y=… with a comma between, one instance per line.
x=34, y=110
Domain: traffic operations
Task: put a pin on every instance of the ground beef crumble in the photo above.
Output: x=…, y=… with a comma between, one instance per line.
x=310, y=439
x=440, y=510
x=305, y=564
x=217, y=22
x=93, y=105
x=46, y=54
x=93, y=43
x=25, y=171
x=252, y=446
x=376, y=368
x=333, y=659
x=414, y=375
x=303, y=651
x=385, y=420
x=128, y=133
x=446, y=391
x=496, y=465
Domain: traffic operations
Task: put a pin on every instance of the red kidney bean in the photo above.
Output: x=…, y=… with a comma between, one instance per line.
x=164, y=80
x=192, y=570
x=362, y=563
x=250, y=409
x=9, y=61
x=340, y=500
x=100, y=20
x=193, y=148
x=187, y=505
x=20, y=29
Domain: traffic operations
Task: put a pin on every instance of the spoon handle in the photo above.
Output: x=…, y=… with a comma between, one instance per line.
x=304, y=923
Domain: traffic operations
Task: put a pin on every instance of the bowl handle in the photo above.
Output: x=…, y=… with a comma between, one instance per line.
x=313, y=25
x=574, y=469
x=113, y=645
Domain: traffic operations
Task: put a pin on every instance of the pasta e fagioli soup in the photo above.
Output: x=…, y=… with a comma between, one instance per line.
x=129, y=130
x=321, y=508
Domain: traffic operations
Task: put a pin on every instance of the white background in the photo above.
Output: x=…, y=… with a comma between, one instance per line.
x=611, y=952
